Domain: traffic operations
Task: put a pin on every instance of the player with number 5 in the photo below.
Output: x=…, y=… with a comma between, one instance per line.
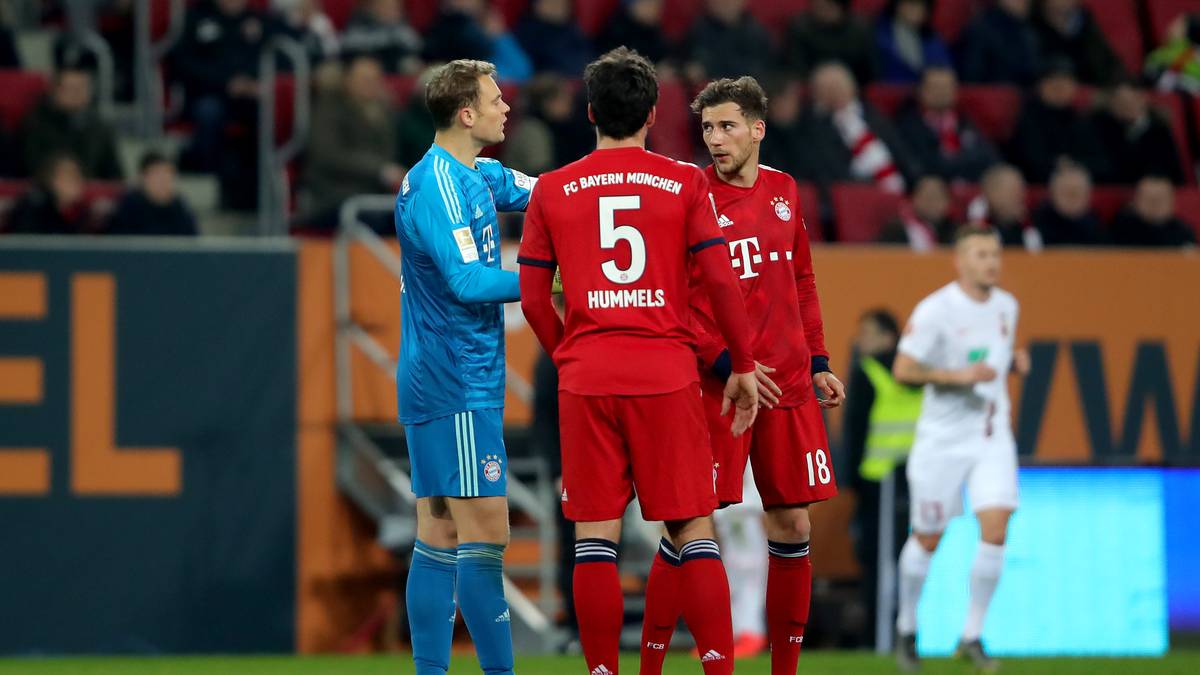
x=625, y=226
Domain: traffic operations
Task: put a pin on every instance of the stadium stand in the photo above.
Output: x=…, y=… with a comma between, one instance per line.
x=1162, y=12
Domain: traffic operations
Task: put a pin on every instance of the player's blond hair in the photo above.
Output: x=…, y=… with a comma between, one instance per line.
x=453, y=87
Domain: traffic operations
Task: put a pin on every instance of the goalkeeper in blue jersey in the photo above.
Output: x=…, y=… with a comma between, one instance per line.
x=450, y=378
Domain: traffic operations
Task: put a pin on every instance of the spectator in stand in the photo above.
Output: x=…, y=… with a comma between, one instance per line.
x=473, y=29
x=1175, y=66
x=414, y=132
x=304, y=21
x=785, y=150
x=1150, y=219
x=377, y=28
x=551, y=37
x=554, y=130
x=1066, y=217
x=1067, y=30
x=66, y=121
x=946, y=142
x=1001, y=205
x=924, y=220
x=829, y=31
x=1000, y=46
x=906, y=42
x=1138, y=140
x=55, y=204
x=846, y=139
x=9, y=58
x=635, y=24
x=727, y=41
x=216, y=61
x=1051, y=127
x=155, y=206
x=352, y=146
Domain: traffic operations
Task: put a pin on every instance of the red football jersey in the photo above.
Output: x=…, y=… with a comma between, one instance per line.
x=621, y=224
x=768, y=246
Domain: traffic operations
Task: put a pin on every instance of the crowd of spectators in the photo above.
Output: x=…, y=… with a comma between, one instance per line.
x=1085, y=119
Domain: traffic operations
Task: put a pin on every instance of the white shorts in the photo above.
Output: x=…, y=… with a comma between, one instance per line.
x=937, y=474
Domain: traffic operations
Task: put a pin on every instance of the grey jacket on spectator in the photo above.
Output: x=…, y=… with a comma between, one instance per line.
x=48, y=130
x=349, y=147
x=827, y=158
x=974, y=156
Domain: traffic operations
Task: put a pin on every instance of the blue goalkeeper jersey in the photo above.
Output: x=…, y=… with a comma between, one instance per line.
x=452, y=289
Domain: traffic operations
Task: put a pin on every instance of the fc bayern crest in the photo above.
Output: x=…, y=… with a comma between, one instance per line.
x=783, y=210
x=491, y=468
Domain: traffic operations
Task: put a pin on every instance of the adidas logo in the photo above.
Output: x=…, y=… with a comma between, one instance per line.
x=724, y=221
x=564, y=494
x=601, y=670
x=478, y=211
x=712, y=655
x=503, y=618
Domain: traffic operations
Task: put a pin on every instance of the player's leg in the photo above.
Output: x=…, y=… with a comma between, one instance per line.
x=992, y=486
x=481, y=516
x=429, y=596
x=673, y=472
x=792, y=469
x=596, y=490
x=433, y=572
x=743, y=538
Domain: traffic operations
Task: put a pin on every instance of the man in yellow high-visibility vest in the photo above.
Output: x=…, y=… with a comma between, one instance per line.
x=878, y=432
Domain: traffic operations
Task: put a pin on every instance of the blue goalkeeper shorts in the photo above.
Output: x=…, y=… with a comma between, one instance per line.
x=461, y=455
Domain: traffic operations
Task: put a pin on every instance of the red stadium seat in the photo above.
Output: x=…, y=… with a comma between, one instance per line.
x=1108, y=199
x=887, y=98
x=421, y=13
x=871, y=7
x=810, y=209
x=678, y=17
x=22, y=89
x=993, y=108
x=512, y=10
x=338, y=11
x=1163, y=12
x=961, y=196
x=592, y=15
x=402, y=87
x=285, y=100
x=952, y=16
x=1172, y=105
x=1187, y=206
x=861, y=210
x=776, y=14
x=673, y=128
x=1119, y=22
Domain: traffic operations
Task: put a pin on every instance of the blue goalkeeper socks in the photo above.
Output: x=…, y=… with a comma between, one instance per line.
x=481, y=597
x=430, y=600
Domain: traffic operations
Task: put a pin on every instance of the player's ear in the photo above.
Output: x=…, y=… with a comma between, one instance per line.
x=467, y=116
x=591, y=115
x=651, y=117
x=759, y=130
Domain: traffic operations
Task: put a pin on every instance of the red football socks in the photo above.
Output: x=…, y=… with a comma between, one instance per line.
x=789, y=587
x=662, y=608
x=599, y=604
x=704, y=596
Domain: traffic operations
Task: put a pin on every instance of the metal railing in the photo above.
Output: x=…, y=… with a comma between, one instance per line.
x=272, y=161
x=147, y=55
x=393, y=507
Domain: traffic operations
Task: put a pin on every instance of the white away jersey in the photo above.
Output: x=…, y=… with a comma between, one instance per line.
x=950, y=330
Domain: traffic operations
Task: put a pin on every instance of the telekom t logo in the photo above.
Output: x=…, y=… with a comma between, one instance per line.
x=745, y=254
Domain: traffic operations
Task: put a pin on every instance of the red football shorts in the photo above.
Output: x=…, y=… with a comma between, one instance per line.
x=656, y=447
x=787, y=448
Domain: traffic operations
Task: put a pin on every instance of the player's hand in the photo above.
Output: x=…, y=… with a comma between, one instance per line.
x=1022, y=363
x=832, y=392
x=768, y=391
x=976, y=372
x=741, y=393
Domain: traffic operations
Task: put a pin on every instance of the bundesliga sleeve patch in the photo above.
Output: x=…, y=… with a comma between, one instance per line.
x=523, y=181
x=466, y=245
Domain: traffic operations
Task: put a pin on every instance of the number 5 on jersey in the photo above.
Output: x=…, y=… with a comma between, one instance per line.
x=611, y=234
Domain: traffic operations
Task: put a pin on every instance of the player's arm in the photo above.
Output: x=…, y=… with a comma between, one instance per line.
x=832, y=391
x=922, y=337
x=712, y=353
x=538, y=263
x=511, y=189
x=448, y=240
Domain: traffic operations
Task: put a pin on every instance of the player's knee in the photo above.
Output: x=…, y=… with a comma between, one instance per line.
x=995, y=535
x=789, y=524
x=929, y=542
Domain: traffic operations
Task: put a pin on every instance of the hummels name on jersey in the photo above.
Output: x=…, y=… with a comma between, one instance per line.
x=629, y=297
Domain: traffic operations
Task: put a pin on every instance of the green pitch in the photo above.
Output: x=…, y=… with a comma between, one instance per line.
x=814, y=663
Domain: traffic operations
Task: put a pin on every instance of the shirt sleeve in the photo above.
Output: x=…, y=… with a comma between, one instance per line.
x=448, y=240
x=537, y=249
x=511, y=189
x=922, y=335
x=702, y=229
x=806, y=285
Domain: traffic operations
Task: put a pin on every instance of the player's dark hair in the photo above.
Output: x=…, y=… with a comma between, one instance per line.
x=745, y=92
x=621, y=90
x=974, y=230
x=453, y=87
x=884, y=319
